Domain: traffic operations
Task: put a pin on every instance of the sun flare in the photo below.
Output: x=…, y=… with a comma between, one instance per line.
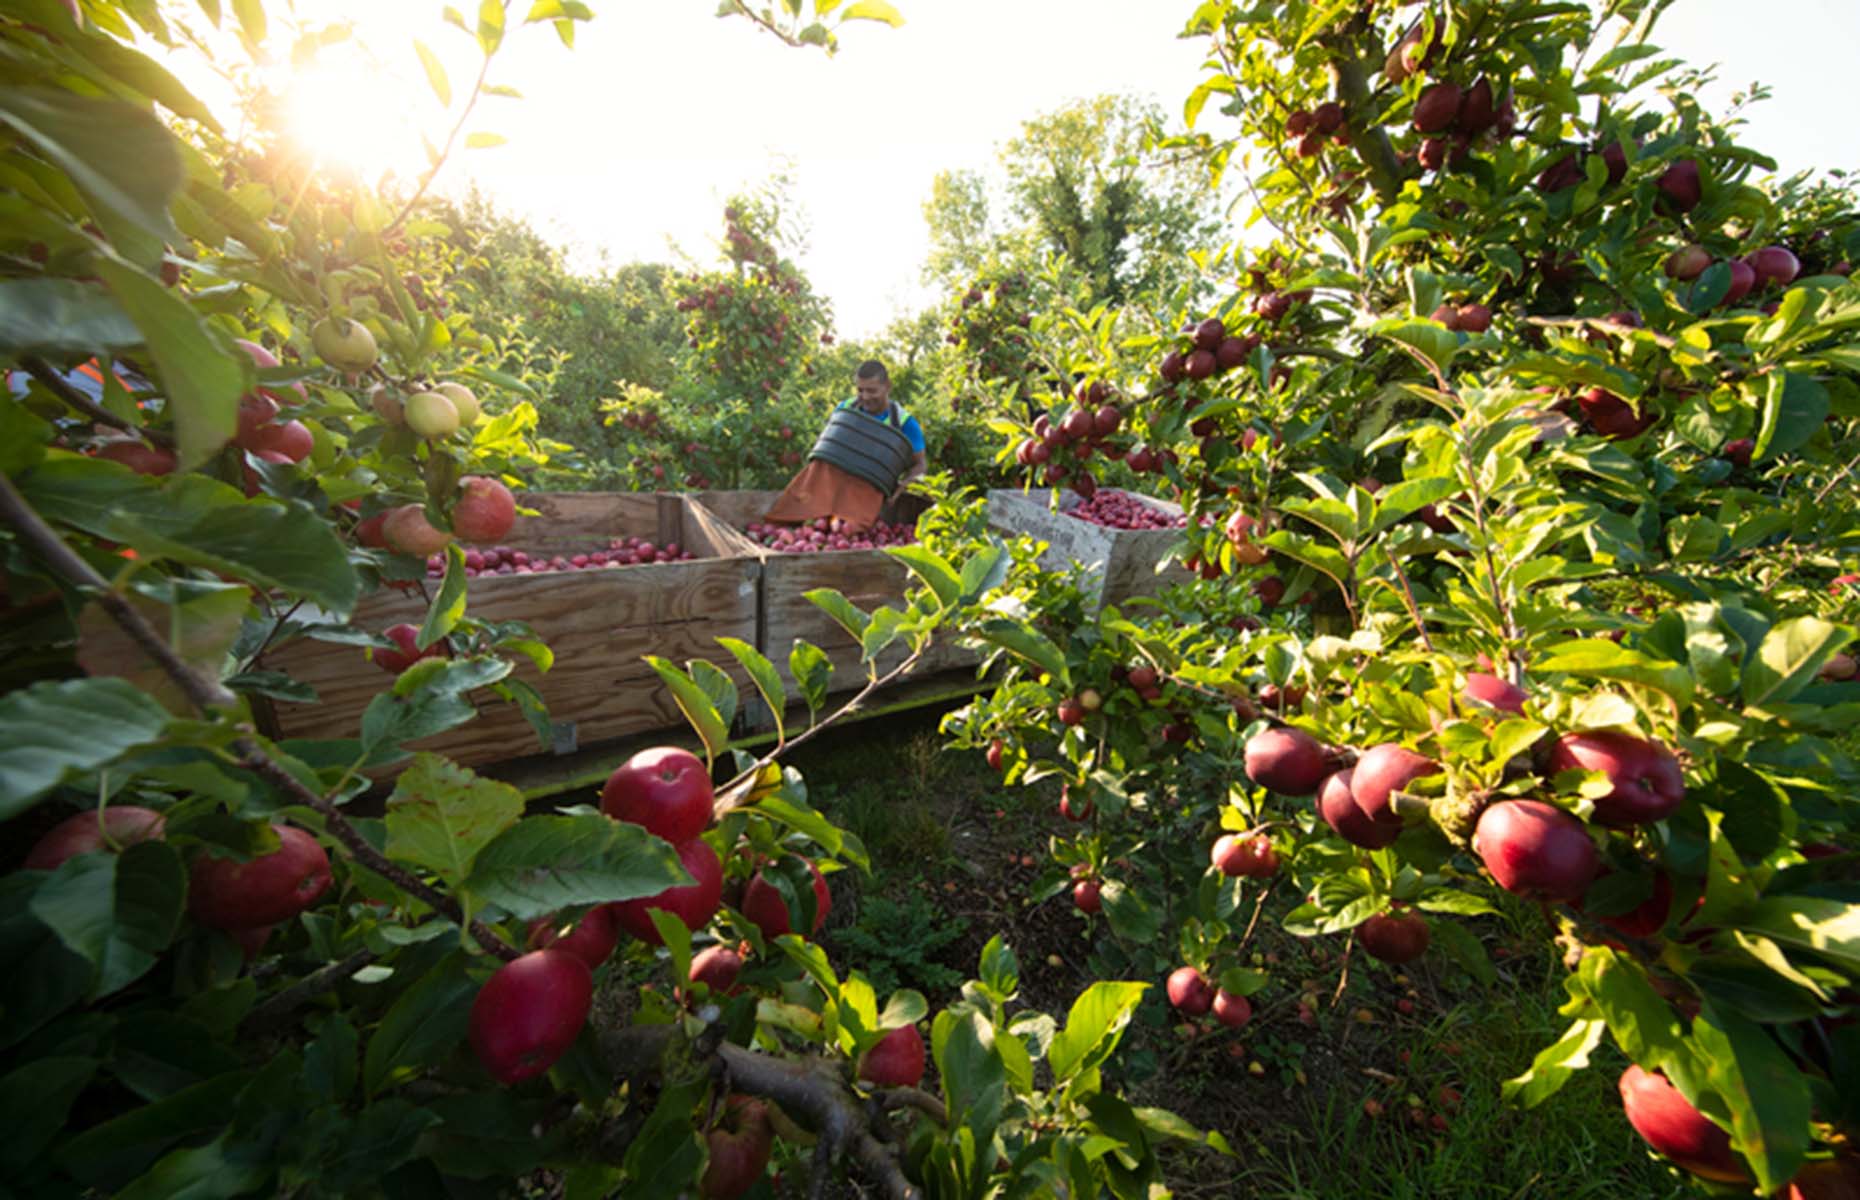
x=346, y=112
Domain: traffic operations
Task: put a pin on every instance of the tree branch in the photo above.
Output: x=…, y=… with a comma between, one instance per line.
x=55, y=383
x=1372, y=145
x=273, y=1012
x=809, y=1088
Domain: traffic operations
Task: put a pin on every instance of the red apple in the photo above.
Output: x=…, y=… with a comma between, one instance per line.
x=1535, y=849
x=896, y=1060
x=592, y=940
x=266, y=890
x=993, y=754
x=1087, y=896
x=739, y=1147
x=529, y=1012
x=1336, y=803
x=292, y=439
x=717, y=967
x=1743, y=278
x=1253, y=857
x=1649, y=916
x=1232, y=1009
x=1648, y=785
x=1285, y=760
x=1680, y=185
x=1688, y=262
x=93, y=830
x=694, y=903
x=1393, y=937
x=407, y=638
x=1773, y=266
x=1669, y=1124
x=139, y=457
x=407, y=530
x=1825, y=1179
x=1496, y=692
x=1070, y=711
x=666, y=790
x=1189, y=991
x=485, y=510
x=1383, y=770
x=765, y=908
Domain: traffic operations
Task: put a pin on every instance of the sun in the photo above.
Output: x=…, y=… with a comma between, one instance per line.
x=345, y=111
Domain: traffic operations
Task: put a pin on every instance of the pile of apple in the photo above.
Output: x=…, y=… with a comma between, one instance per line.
x=618, y=552
x=829, y=533
x=1116, y=509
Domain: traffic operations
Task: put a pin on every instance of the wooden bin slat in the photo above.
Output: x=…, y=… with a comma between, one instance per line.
x=868, y=578
x=599, y=623
x=1119, y=563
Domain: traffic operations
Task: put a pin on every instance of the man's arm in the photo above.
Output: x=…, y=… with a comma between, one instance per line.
x=919, y=466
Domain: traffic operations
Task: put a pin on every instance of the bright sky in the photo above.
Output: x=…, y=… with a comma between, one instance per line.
x=628, y=144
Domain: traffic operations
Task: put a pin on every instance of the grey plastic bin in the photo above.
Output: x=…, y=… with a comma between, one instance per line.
x=874, y=451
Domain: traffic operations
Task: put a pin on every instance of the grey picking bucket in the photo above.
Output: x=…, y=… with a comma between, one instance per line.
x=864, y=448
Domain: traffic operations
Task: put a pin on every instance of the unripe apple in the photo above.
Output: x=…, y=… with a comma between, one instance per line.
x=1190, y=991
x=345, y=345
x=896, y=1060
x=1090, y=700
x=274, y=887
x=1393, y=937
x=1285, y=760
x=1648, y=785
x=406, y=529
x=1839, y=668
x=432, y=415
x=485, y=510
x=1535, y=849
x=529, y=1013
x=1688, y=262
x=665, y=790
x=693, y=903
x=388, y=405
x=464, y=401
x=763, y=905
x=1668, y=1122
x=91, y=831
x=1383, y=770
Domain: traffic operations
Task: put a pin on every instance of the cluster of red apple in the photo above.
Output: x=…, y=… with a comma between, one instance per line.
x=829, y=533
x=243, y=899
x=618, y=552
x=1064, y=448
x=1451, y=118
x=1768, y=267
x=1116, y=509
x=1315, y=128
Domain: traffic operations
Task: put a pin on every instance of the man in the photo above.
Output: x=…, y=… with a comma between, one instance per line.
x=824, y=490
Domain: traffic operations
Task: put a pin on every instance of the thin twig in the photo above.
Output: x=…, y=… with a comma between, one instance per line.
x=477, y=91
x=55, y=383
x=273, y=1011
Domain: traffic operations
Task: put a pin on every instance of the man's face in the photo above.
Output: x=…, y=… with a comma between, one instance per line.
x=874, y=394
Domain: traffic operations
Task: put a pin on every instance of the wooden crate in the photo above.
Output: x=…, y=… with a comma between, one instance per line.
x=599, y=623
x=868, y=578
x=1119, y=563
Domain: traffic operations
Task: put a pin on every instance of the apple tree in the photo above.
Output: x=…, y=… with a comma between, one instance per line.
x=1519, y=468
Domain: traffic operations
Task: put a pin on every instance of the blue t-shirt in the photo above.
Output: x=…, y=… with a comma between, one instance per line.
x=897, y=418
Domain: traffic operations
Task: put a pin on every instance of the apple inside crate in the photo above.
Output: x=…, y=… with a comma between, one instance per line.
x=867, y=577
x=1119, y=563
x=600, y=622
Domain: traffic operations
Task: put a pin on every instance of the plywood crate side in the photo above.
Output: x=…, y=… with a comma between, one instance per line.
x=600, y=624
x=1119, y=563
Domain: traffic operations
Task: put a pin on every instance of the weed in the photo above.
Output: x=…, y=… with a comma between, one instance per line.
x=896, y=944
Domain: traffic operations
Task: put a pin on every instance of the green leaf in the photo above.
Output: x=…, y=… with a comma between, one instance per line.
x=1130, y=916
x=763, y=674
x=435, y=73
x=1429, y=340
x=490, y=25
x=1828, y=927
x=933, y=569
x=448, y=606
x=52, y=730
x=120, y=911
x=484, y=141
x=812, y=671
x=61, y=316
x=718, y=687
x=1093, y=1027
x=1789, y=658
x=873, y=10
x=985, y=570
x=971, y=1068
x=202, y=382
x=441, y=815
x=546, y=863
x=34, y=1101
x=208, y=1172
x=1460, y=944
x=1555, y=1063
x=1603, y=659
x=1794, y=408
x=695, y=704
x=1768, y=1097
x=120, y=156
x=844, y=613
x=1643, y=1024
x=423, y=1026
x=201, y=522
x=668, y=1152
x=1028, y=643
